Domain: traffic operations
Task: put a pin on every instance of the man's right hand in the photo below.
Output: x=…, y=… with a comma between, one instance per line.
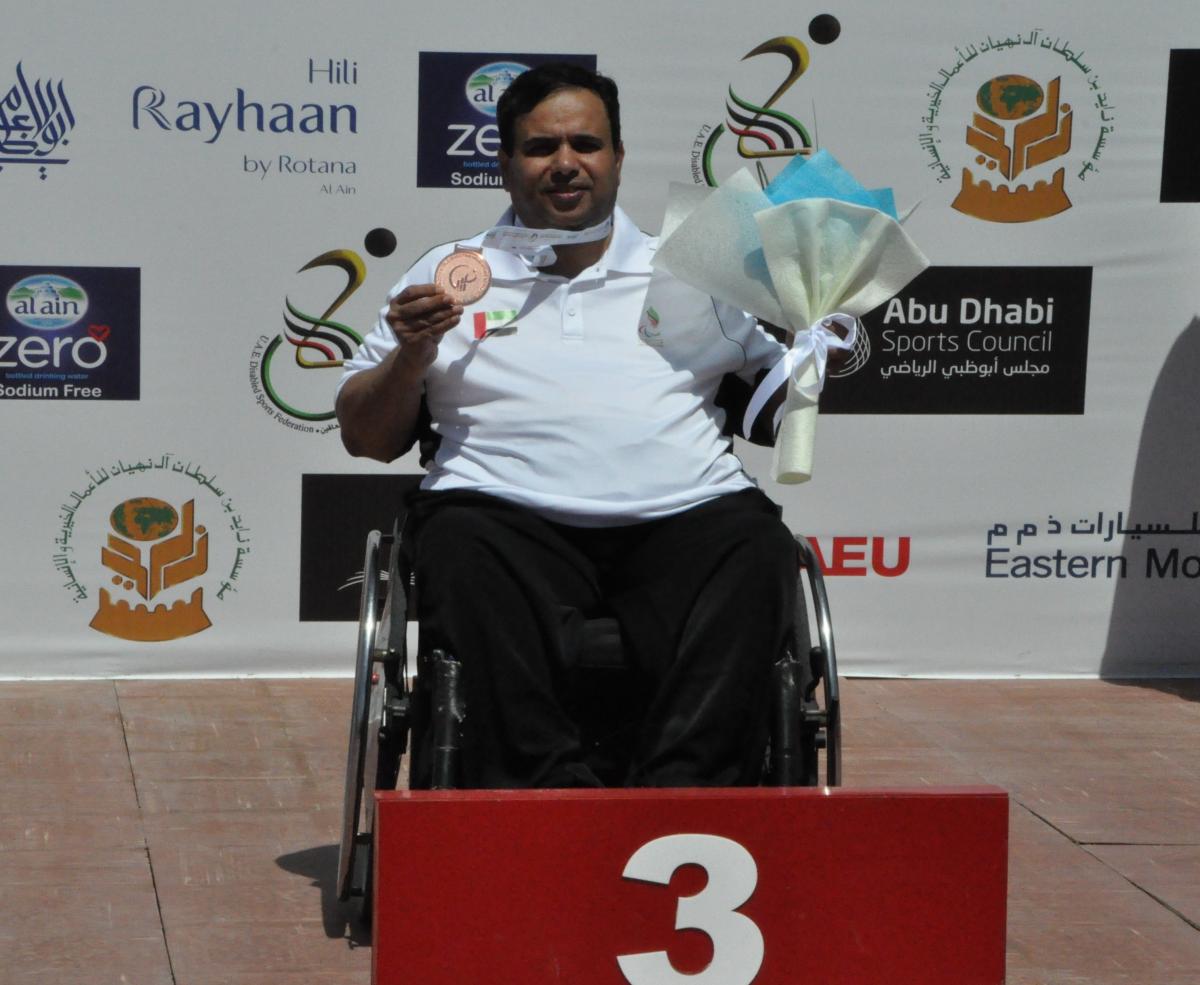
x=419, y=316
x=378, y=408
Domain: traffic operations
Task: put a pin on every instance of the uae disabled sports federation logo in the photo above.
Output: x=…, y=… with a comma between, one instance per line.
x=1015, y=125
x=761, y=131
x=294, y=374
x=150, y=545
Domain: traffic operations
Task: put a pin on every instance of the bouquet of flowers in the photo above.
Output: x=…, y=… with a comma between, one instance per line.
x=811, y=251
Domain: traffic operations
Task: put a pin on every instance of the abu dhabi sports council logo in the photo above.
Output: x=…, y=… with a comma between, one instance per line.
x=1034, y=120
x=972, y=340
x=288, y=371
x=458, y=140
x=35, y=123
x=759, y=131
x=70, y=333
x=858, y=356
x=150, y=537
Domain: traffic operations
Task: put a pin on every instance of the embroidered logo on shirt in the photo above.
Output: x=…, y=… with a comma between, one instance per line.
x=648, y=330
x=489, y=323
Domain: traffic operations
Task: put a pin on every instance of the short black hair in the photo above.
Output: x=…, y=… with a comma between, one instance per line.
x=532, y=86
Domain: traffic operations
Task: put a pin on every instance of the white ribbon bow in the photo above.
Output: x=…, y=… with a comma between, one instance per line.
x=537, y=245
x=814, y=341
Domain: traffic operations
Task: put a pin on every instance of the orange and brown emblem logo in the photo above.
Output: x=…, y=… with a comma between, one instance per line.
x=151, y=548
x=157, y=541
x=1034, y=118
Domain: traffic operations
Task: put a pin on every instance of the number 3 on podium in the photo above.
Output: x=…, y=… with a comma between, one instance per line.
x=732, y=877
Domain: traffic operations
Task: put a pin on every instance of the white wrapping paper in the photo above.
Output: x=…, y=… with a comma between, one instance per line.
x=790, y=265
x=718, y=248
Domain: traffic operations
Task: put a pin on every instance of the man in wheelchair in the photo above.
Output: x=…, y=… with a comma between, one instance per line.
x=581, y=465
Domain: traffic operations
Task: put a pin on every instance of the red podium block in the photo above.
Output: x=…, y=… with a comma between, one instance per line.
x=691, y=887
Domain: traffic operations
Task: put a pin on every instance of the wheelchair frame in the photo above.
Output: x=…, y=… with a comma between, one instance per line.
x=384, y=702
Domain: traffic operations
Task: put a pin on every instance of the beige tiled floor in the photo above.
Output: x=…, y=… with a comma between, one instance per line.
x=184, y=832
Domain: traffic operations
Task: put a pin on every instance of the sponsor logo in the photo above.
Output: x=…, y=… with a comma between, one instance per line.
x=289, y=372
x=1037, y=120
x=46, y=302
x=458, y=140
x=972, y=340
x=155, y=111
x=145, y=540
x=487, y=84
x=1105, y=546
x=70, y=333
x=36, y=121
x=858, y=557
x=331, y=553
x=758, y=131
x=1181, y=140
x=858, y=356
x=287, y=164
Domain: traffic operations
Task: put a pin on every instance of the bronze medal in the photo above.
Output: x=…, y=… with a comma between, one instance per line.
x=464, y=275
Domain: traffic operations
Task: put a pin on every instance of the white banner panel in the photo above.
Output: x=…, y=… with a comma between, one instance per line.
x=205, y=206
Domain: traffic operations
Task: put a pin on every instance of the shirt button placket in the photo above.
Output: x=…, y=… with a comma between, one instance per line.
x=572, y=320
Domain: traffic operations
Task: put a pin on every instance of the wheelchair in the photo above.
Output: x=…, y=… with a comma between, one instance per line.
x=388, y=706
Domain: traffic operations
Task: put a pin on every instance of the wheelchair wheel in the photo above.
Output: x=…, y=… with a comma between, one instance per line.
x=803, y=726
x=379, y=716
x=821, y=722
x=367, y=697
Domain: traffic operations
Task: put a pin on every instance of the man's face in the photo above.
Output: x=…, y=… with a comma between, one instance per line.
x=564, y=171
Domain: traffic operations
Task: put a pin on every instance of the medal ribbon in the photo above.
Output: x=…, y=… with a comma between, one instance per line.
x=537, y=245
x=815, y=342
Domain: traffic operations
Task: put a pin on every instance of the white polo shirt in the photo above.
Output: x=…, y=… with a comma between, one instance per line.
x=592, y=400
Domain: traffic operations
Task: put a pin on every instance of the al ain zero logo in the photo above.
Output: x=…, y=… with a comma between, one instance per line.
x=70, y=333
x=1035, y=119
x=35, y=120
x=150, y=537
x=488, y=82
x=288, y=389
x=762, y=130
x=458, y=141
x=46, y=302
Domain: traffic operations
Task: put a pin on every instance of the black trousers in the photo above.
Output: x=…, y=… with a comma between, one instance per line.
x=704, y=600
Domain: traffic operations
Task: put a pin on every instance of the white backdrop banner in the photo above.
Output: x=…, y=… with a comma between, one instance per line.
x=205, y=205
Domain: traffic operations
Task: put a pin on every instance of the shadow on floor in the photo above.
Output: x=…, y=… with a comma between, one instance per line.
x=1186, y=688
x=1154, y=627
x=341, y=920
